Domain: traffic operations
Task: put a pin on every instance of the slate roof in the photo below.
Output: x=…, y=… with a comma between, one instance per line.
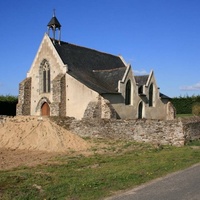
x=141, y=80
x=163, y=96
x=97, y=70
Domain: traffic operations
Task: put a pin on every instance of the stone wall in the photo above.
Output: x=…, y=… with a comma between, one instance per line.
x=191, y=128
x=63, y=96
x=24, y=99
x=59, y=96
x=100, y=109
x=2, y=118
x=160, y=132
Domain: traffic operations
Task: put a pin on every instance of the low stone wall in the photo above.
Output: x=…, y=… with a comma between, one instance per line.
x=171, y=132
x=191, y=128
x=160, y=132
x=2, y=118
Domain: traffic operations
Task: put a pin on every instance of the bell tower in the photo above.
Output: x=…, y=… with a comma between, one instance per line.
x=54, y=26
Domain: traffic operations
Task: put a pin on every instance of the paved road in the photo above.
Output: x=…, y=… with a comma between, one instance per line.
x=182, y=185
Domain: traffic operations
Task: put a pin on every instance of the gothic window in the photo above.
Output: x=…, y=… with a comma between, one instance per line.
x=151, y=95
x=45, y=77
x=128, y=93
x=140, y=110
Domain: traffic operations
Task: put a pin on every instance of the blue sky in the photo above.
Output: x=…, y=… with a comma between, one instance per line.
x=159, y=35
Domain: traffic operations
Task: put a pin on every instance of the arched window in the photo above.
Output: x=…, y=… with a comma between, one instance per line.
x=140, y=110
x=45, y=79
x=128, y=93
x=151, y=95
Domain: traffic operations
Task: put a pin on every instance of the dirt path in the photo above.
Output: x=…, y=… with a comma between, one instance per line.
x=14, y=158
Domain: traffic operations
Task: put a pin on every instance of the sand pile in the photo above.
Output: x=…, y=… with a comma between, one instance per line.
x=36, y=133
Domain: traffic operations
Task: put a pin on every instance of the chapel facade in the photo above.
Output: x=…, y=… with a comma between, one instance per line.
x=70, y=80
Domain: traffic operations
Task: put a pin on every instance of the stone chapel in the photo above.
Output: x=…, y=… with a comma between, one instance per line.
x=70, y=80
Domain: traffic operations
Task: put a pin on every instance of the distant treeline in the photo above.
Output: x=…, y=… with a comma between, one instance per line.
x=187, y=104
x=8, y=105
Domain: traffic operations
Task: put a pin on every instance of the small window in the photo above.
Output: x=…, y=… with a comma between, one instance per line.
x=128, y=93
x=140, y=89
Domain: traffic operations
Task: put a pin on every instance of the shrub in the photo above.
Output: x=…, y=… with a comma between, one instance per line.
x=196, y=109
x=8, y=105
x=184, y=105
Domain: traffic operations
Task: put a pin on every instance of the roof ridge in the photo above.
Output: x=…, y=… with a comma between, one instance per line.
x=141, y=75
x=107, y=70
x=86, y=48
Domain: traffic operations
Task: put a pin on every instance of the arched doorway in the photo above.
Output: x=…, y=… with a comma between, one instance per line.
x=45, y=109
x=140, y=108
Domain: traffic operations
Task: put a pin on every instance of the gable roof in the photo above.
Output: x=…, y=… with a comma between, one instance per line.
x=141, y=80
x=97, y=70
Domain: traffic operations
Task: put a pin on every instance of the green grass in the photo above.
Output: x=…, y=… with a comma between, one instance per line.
x=194, y=143
x=78, y=177
x=184, y=115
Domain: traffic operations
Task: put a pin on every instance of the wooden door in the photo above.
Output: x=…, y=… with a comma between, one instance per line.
x=45, y=109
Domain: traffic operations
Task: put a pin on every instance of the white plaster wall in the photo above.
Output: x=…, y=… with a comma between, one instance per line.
x=128, y=111
x=78, y=97
x=122, y=86
x=158, y=110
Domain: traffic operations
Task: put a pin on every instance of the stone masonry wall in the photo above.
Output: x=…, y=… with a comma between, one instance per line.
x=191, y=128
x=63, y=96
x=24, y=99
x=174, y=132
x=171, y=132
x=100, y=109
x=57, y=95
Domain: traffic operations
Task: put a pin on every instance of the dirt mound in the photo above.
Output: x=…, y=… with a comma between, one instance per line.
x=37, y=133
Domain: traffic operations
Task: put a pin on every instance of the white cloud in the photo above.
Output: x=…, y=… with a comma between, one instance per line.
x=141, y=72
x=191, y=87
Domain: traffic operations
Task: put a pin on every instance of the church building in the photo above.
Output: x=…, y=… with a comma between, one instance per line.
x=70, y=80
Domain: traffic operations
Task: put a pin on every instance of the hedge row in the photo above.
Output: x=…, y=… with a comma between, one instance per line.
x=184, y=105
x=8, y=105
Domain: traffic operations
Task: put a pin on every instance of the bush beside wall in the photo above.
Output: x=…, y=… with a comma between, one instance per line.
x=8, y=105
x=196, y=109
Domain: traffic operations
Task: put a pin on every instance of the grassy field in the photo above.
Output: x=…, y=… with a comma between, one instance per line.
x=112, y=166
